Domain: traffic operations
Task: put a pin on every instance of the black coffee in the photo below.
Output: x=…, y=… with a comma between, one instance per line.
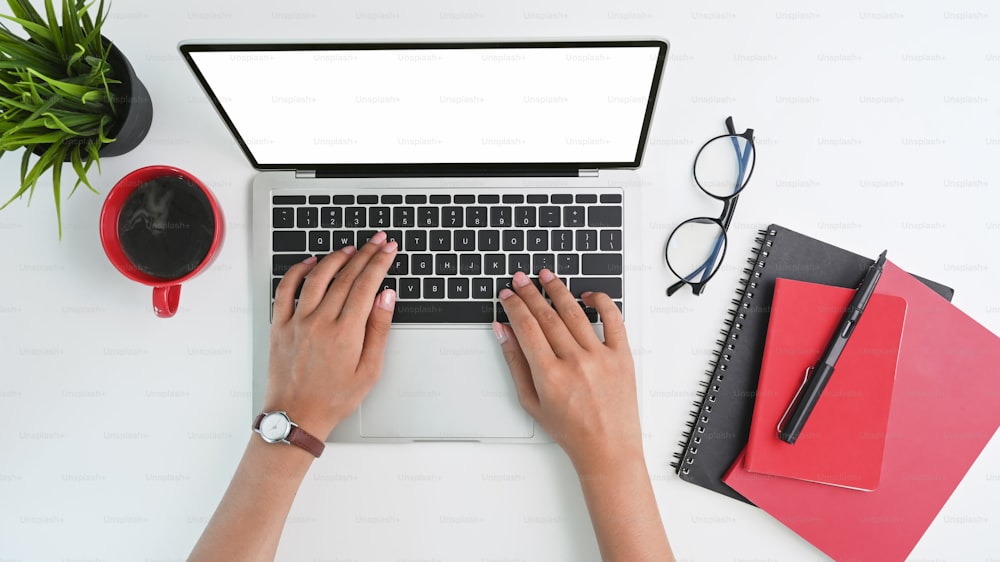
x=166, y=227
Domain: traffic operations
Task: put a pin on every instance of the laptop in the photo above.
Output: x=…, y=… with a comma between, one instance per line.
x=481, y=159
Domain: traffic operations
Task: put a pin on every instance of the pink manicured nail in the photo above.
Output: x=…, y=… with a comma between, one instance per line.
x=387, y=300
x=349, y=250
x=521, y=280
x=500, y=332
x=546, y=275
x=378, y=238
x=506, y=294
x=390, y=247
x=310, y=260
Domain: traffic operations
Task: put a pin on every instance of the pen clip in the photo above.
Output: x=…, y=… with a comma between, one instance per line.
x=795, y=400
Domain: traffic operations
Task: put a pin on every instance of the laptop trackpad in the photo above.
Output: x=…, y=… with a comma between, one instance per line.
x=444, y=383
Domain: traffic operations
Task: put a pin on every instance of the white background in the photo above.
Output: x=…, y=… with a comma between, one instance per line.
x=877, y=127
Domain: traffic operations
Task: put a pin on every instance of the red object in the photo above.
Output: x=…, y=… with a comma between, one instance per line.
x=166, y=294
x=843, y=439
x=945, y=408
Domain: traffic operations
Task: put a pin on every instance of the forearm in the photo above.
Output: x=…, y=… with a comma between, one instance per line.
x=623, y=510
x=248, y=522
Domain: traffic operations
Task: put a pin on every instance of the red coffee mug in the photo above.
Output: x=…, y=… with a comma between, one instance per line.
x=166, y=292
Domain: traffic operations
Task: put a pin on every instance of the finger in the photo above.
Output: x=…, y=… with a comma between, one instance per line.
x=368, y=283
x=318, y=280
x=570, y=311
x=611, y=317
x=284, y=294
x=335, y=297
x=529, y=334
x=377, y=333
x=520, y=371
x=554, y=328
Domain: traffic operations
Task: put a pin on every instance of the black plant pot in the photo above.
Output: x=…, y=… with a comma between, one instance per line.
x=134, y=108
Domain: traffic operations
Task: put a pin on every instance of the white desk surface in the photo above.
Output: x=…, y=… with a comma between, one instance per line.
x=877, y=127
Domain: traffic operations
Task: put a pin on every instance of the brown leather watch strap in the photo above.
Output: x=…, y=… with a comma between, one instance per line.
x=302, y=438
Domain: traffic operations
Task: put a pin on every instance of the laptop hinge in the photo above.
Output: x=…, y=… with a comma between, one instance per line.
x=589, y=173
x=305, y=174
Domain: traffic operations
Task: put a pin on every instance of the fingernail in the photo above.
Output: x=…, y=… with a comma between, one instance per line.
x=390, y=247
x=520, y=279
x=586, y=294
x=500, y=332
x=387, y=300
x=310, y=260
x=506, y=294
x=349, y=250
x=546, y=275
x=378, y=238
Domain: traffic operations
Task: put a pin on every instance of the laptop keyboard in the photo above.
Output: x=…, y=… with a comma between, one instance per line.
x=457, y=251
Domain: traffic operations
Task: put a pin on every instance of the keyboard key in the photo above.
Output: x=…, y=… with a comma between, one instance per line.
x=465, y=199
x=610, y=215
x=489, y=198
x=418, y=199
x=416, y=241
x=502, y=314
x=548, y=216
x=611, y=198
x=364, y=236
x=465, y=240
x=573, y=215
x=289, y=200
x=610, y=285
x=568, y=264
x=602, y=264
x=400, y=265
x=451, y=217
x=367, y=199
x=513, y=198
x=500, y=217
x=319, y=241
x=283, y=217
x=445, y=264
x=586, y=240
x=524, y=216
x=489, y=240
x=404, y=217
x=319, y=199
x=586, y=198
x=562, y=240
x=427, y=216
x=495, y=264
x=542, y=261
x=274, y=289
x=469, y=264
x=394, y=236
x=504, y=283
x=518, y=262
x=409, y=288
x=562, y=198
x=392, y=199
x=476, y=216
x=440, y=240
x=307, y=217
x=281, y=263
x=288, y=241
x=354, y=217
x=611, y=240
x=538, y=240
x=343, y=199
x=331, y=217
x=513, y=240
x=538, y=198
x=422, y=264
x=439, y=199
x=458, y=288
x=388, y=283
x=590, y=312
x=482, y=288
x=379, y=217
x=444, y=312
x=433, y=288
x=342, y=239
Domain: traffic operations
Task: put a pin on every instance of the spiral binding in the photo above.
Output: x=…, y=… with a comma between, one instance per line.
x=716, y=374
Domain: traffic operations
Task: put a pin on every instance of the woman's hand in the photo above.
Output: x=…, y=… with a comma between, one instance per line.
x=326, y=352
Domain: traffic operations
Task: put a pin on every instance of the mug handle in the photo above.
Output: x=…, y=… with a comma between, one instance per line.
x=165, y=300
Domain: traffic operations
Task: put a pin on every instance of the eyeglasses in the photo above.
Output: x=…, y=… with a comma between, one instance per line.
x=696, y=247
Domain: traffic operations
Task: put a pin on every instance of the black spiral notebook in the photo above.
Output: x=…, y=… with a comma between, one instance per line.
x=719, y=428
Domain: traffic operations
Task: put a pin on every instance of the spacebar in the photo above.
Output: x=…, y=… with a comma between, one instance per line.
x=443, y=312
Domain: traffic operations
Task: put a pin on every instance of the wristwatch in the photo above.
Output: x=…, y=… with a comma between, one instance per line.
x=275, y=427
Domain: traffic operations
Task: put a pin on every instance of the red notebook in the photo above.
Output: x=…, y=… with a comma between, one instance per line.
x=844, y=438
x=945, y=408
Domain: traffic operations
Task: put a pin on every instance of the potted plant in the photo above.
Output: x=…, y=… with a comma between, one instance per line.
x=67, y=94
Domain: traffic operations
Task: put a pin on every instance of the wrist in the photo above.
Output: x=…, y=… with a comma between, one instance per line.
x=276, y=427
x=604, y=462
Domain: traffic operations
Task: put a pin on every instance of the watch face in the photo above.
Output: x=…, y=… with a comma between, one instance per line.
x=275, y=427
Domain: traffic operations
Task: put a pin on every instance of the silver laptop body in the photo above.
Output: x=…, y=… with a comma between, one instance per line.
x=494, y=124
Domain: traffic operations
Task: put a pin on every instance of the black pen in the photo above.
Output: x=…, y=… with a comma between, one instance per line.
x=817, y=377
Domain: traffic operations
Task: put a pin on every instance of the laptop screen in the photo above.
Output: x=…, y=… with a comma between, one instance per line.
x=580, y=104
